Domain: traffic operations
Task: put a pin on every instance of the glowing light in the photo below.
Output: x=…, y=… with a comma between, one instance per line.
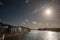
x=50, y=33
x=48, y=11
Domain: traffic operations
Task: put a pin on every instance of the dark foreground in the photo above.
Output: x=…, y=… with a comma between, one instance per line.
x=37, y=35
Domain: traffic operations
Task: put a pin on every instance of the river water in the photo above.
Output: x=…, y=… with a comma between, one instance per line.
x=38, y=35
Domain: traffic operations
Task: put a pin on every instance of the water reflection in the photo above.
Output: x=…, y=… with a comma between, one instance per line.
x=39, y=35
x=44, y=35
x=50, y=36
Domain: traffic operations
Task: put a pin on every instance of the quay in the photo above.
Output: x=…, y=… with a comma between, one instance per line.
x=11, y=31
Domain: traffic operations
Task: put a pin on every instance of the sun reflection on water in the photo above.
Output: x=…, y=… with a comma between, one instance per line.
x=50, y=36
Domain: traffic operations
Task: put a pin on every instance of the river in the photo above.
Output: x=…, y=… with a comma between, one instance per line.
x=38, y=35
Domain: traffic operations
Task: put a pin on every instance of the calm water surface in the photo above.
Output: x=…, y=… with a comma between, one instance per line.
x=38, y=35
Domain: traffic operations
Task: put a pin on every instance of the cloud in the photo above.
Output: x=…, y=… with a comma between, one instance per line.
x=1, y=3
x=40, y=24
x=23, y=23
x=34, y=22
x=37, y=10
x=26, y=20
x=0, y=20
x=54, y=0
x=47, y=24
x=26, y=1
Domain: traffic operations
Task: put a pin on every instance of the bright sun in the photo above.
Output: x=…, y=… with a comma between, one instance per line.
x=48, y=11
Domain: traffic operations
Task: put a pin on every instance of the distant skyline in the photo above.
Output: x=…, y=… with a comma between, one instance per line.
x=29, y=13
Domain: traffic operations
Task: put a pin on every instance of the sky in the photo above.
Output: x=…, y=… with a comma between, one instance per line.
x=30, y=13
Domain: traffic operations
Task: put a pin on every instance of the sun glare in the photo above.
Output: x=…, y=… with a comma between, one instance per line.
x=48, y=12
